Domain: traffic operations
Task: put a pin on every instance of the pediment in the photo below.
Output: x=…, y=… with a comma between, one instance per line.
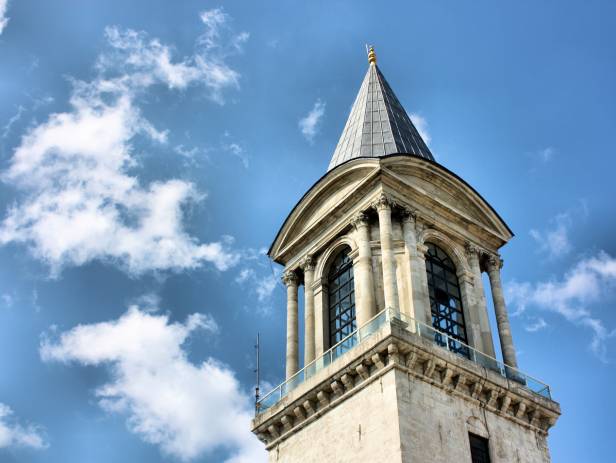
x=425, y=185
x=324, y=200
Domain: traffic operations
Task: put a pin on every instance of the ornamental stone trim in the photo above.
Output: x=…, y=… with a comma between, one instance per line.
x=416, y=357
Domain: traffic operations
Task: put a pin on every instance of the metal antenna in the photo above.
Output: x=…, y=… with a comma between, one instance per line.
x=257, y=395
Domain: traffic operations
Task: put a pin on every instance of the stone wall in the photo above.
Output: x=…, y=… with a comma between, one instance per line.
x=434, y=427
x=400, y=418
x=363, y=428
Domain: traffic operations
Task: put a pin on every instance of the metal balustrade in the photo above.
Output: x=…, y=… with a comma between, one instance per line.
x=416, y=327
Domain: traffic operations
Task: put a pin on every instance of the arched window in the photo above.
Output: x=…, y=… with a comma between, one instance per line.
x=341, y=300
x=445, y=300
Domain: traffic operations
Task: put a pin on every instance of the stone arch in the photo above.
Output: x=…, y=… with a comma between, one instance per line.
x=455, y=252
x=330, y=253
x=320, y=288
x=463, y=272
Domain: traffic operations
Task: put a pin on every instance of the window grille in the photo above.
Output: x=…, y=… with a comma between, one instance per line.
x=445, y=300
x=341, y=301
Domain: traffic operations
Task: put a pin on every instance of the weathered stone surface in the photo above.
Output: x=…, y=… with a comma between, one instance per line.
x=404, y=411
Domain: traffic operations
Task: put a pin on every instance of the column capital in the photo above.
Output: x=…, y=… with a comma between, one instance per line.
x=289, y=278
x=494, y=262
x=307, y=263
x=383, y=202
x=360, y=220
x=409, y=215
x=471, y=249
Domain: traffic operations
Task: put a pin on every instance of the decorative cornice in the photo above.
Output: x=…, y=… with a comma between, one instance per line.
x=289, y=278
x=412, y=356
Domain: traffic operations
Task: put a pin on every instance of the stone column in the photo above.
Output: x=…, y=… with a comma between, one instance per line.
x=309, y=331
x=502, y=319
x=485, y=344
x=423, y=294
x=419, y=298
x=390, y=288
x=362, y=272
x=290, y=280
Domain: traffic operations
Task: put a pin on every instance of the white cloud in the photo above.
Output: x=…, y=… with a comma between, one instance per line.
x=309, y=125
x=537, y=325
x=421, y=125
x=555, y=241
x=146, y=61
x=590, y=281
x=188, y=410
x=4, y=20
x=13, y=434
x=80, y=203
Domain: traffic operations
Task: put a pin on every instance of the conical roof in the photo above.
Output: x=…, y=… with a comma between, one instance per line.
x=378, y=124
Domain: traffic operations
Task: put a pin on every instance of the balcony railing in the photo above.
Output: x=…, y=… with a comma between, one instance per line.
x=416, y=327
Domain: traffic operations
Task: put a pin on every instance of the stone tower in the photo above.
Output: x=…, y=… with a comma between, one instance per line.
x=399, y=360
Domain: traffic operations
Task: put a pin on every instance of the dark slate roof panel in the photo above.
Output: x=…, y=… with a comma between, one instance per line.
x=378, y=125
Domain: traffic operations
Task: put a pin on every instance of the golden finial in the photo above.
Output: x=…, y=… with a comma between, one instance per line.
x=371, y=55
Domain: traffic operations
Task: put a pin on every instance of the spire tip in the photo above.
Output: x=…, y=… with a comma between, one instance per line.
x=371, y=55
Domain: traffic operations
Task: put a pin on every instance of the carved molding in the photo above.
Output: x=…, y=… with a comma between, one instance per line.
x=532, y=413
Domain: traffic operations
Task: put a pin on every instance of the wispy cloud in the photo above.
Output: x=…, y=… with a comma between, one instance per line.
x=536, y=325
x=188, y=410
x=554, y=241
x=422, y=127
x=80, y=201
x=235, y=148
x=590, y=281
x=13, y=120
x=259, y=277
x=7, y=300
x=4, y=20
x=546, y=154
x=14, y=434
x=310, y=124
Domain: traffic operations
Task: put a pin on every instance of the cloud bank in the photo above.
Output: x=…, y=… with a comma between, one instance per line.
x=80, y=201
x=188, y=410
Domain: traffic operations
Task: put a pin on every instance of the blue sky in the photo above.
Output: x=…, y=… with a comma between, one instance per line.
x=150, y=150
